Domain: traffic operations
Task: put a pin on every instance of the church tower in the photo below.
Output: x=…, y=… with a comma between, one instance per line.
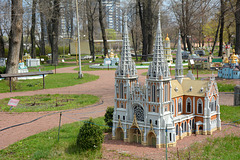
x=125, y=80
x=158, y=84
x=179, y=66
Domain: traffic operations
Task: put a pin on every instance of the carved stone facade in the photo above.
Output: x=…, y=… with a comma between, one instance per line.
x=182, y=106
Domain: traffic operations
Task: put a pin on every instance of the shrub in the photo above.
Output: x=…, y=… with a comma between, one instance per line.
x=43, y=57
x=90, y=136
x=2, y=70
x=108, y=117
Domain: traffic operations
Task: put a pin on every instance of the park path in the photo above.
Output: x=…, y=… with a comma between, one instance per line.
x=103, y=87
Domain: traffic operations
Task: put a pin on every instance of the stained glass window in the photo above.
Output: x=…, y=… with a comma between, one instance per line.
x=139, y=112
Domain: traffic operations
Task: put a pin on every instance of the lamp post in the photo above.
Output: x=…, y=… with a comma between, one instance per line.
x=80, y=75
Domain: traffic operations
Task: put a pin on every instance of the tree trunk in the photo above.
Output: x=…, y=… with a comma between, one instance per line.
x=2, y=48
x=15, y=36
x=33, y=48
x=237, y=19
x=55, y=25
x=134, y=44
x=221, y=29
x=42, y=20
x=216, y=36
x=102, y=28
x=21, y=48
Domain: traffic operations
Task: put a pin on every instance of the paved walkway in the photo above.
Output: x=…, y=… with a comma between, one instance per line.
x=103, y=87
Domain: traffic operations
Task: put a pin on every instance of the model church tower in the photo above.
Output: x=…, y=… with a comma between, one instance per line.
x=143, y=114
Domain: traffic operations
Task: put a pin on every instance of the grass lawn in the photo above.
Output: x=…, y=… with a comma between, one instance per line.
x=47, y=67
x=51, y=81
x=45, y=145
x=219, y=148
x=48, y=102
x=230, y=114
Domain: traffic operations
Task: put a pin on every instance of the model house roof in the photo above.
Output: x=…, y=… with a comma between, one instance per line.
x=189, y=87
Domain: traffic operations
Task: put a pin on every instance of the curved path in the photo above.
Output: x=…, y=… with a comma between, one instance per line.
x=103, y=87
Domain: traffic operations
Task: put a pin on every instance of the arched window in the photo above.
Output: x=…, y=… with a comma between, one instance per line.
x=150, y=121
x=180, y=105
x=182, y=127
x=193, y=125
x=121, y=90
x=200, y=106
x=172, y=107
x=177, y=129
x=212, y=105
x=170, y=137
x=153, y=108
x=185, y=126
x=189, y=105
x=190, y=123
x=153, y=93
x=166, y=92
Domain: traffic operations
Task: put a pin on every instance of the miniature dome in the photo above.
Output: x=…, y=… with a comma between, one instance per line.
x=111, y=54
x=233, y=55
x=225, y=60
x=167, y=38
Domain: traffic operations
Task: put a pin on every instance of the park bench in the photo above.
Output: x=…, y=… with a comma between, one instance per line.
x=10, y=76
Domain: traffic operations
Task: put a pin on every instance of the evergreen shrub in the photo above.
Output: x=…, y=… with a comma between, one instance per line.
x=108, y=117
x=90, y=136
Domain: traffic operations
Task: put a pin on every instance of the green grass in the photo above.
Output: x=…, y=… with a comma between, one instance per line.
x=219, y=148
x=48, y=102
x=225, y=87
x=87, y=68
x=51, y=81
x=47, y=67
x=230, y=114
x=45, y=145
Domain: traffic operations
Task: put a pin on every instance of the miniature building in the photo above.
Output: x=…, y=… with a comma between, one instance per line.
x=230, y=69
x=167, y=48
x=113, y=59
x=181, y=106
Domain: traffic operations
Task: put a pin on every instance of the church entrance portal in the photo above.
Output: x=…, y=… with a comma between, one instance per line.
x=151, y=139
x=135, y=135
x=119, y=134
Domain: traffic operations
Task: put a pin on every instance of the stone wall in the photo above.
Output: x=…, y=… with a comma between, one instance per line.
x=237, y=95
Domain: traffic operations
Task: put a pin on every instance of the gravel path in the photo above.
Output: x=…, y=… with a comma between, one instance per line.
x=103, y=87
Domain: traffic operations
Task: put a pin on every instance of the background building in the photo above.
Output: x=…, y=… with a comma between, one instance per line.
x=113, y=14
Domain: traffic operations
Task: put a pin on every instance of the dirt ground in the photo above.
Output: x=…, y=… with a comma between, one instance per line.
x=104, y=88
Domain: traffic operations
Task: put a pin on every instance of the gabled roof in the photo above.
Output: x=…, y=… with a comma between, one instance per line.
x=189, y=87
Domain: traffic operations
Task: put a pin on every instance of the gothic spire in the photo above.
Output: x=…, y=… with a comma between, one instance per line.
x=158, y=67
x=179, y=66
x=126, y=67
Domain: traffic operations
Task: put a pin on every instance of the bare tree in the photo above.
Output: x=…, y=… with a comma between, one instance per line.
x=2, y=48
x=33, y=48
x=100, y=8
x=237, y=20
x=221, y=27
x=91, y=7
x=15, y=36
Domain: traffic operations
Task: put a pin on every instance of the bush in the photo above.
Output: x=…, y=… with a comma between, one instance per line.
x=90, y=136
x=2, y=70
x=108, y=117
x=43, y=57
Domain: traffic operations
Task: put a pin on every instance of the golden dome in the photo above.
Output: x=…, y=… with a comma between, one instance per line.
x=112, y=54
x=167, y=38
x=225, y=60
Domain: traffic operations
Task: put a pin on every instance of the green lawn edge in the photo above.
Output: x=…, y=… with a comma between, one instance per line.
x=51, y=81
x=49, y=102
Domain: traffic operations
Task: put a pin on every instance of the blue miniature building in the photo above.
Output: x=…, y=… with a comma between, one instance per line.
x=111, y=60
x=230, y=70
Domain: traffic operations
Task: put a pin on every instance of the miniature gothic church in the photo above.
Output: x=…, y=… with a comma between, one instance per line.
x=182, y=106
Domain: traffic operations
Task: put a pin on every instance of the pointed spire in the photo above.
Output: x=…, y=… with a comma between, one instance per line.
x=158, y=67
x=178, y=65
x=126, y=67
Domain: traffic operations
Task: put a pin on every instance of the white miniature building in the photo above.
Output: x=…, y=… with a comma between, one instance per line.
x=182, y=106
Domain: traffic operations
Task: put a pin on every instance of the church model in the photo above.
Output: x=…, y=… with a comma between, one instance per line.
x=182, y=106
x=167, y=48
x=230, y=69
